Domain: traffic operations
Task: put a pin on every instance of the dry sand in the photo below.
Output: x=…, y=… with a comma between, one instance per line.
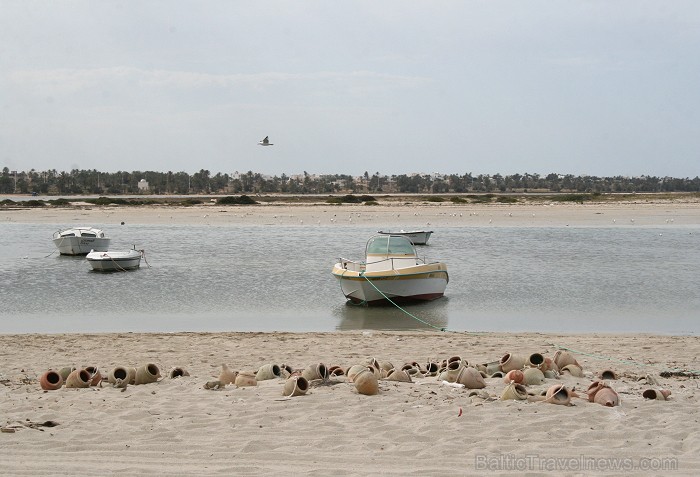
x=176, y=427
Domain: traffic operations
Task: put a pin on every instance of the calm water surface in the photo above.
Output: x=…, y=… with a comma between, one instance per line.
x=265, y=278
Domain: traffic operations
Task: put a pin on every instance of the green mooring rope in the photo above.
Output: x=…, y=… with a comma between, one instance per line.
x=590, y=355
x=397, y=306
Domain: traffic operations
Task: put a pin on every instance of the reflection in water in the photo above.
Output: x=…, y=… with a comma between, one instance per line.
x=425, y=316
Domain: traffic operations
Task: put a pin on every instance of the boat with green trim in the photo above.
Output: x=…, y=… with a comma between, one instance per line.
x=392, y=272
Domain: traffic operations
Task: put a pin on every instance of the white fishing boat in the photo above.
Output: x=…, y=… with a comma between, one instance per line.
x=391, y=272
x=80, y=240
x=418, y=237
x=113, y=261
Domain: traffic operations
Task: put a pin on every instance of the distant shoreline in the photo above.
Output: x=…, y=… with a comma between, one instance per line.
x=396, y=212
x=381, y=198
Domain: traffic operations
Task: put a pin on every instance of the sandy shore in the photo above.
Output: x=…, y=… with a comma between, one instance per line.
x=176, y=427
x=397, y=215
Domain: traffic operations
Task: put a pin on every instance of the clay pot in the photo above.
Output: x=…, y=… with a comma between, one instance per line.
x=510, y=362
x=453, y=359
x=353, y=370
x=65, y=371
x=178, y=372
x=650, y=380
x=497, y=374
x=417, y=365
x=286, y=371
x=227, y=375
x=550, y=374
x=558, y=394
x=608, y=374
x=660, y=394
x=514, y=391
x=95, y=374
x=413, y=371
x=386, y=366
x=399, y=375
x=563, y=358
x=316, y=371
x=492, y=367
x=573, y=369
x=51, y=380
x=452, y=371
x=607, y=397
x=246, y=379
x=548, y=365
x=268, y=371
x=295, y=386
x=514, y=375
x=532, y=377
x=118, y=372
x=594, y=387
x=78, y=379
x=366, y=383
x=148, y=373
x=373, y=362
x=535, y=360
x=336, y=371
x=431, y=369
x=471, y=378
x=132, y=375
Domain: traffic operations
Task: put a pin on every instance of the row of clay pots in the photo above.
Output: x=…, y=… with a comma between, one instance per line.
x=527, y=377
x=72, y=378
x=295, y=384
x=91, y=376
x=556, y=394
x=511, y=361
x=148, y=373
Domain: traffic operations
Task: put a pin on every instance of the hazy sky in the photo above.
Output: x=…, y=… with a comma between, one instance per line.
x=573, y=87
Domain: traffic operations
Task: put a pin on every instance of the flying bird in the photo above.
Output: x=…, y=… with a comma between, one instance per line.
x=265, y=142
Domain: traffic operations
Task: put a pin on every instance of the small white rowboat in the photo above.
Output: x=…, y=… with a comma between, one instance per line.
x=112, y=261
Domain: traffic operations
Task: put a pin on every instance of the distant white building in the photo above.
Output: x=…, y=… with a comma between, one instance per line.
x=143, y=186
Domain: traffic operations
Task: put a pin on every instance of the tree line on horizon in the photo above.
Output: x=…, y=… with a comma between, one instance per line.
x=82, y=182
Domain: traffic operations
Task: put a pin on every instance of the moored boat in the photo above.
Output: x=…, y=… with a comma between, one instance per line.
x=391, y=272
x=80, y=240
x=418, y=237
x=111, y=261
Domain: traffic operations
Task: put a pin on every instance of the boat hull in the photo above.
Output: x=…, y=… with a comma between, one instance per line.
x=80, y=240
x=80, y=245
x=421, y=283
x=114, y=261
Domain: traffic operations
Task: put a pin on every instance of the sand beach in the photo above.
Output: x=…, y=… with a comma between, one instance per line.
x=399, y=212
x=176, y=426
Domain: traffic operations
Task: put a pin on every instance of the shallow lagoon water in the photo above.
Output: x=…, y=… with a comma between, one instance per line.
x=277, y=278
